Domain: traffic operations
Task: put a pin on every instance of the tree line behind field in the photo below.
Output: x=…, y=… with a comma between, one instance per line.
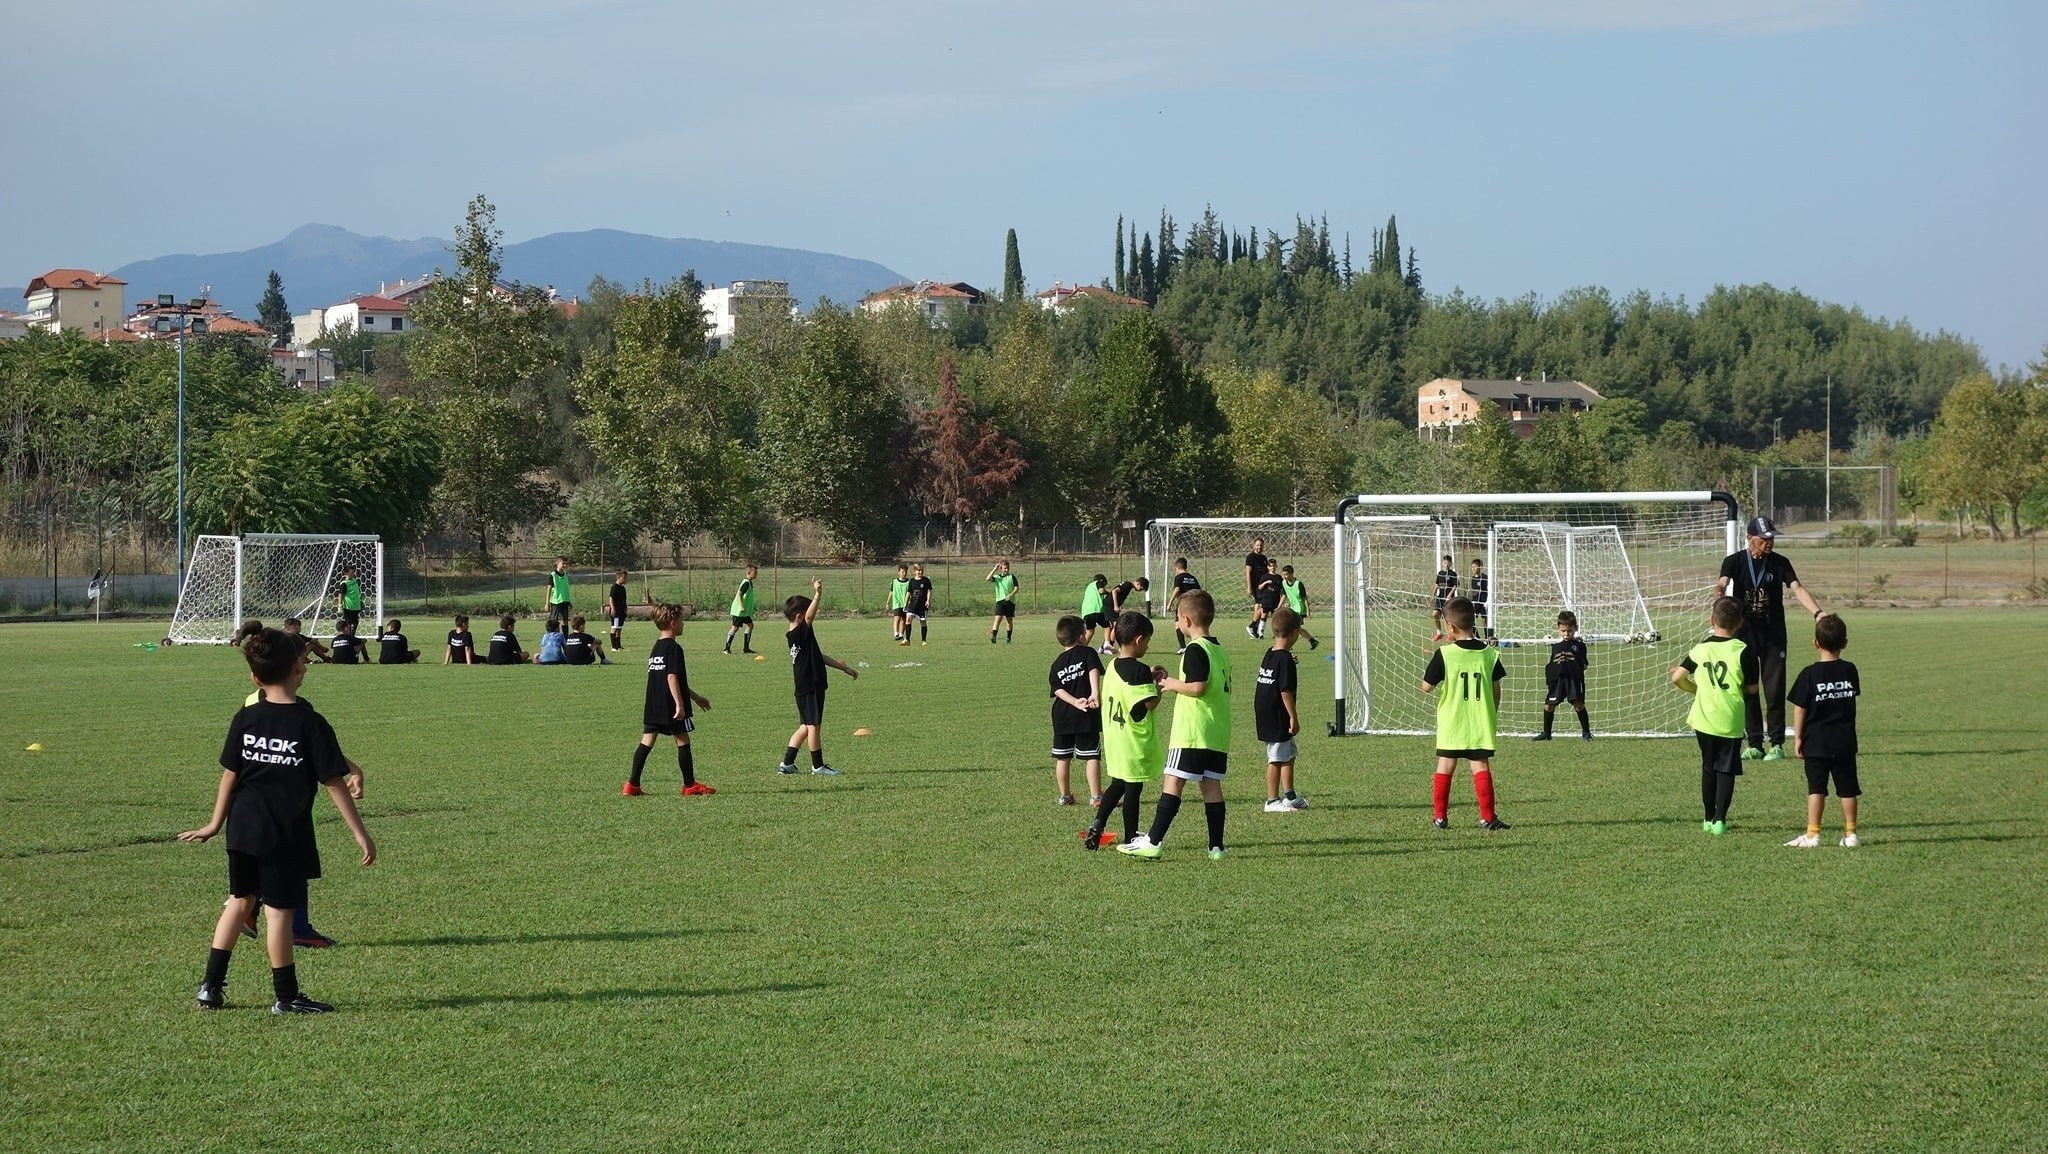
x=1263, y=374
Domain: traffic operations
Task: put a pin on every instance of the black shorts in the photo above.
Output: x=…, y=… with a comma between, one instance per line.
x=352, y=616
x=560, y=610
x=1268, y=601
x=1006, y=608
x=920, y=614
x=1565, y=689
x=810, y=709
x=1086, y=745
x=1842, y=769
x=276, y=883
x=1466, y=754
x=1192, y=764
x=746, y=621
x=1720, y=754
x=670, y=726
x=1095, y=621
x=1441, y=601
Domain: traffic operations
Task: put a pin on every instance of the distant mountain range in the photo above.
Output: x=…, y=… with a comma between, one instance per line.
x=324, y=265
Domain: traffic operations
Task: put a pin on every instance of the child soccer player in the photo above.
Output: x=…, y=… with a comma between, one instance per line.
x=351, y=599
x=550, y=644
x=742, y=614
x=391, y=644
x=278, y=751
x=580, y=648
x=1130, y=705
x=505, y=648
x=1824, y=730
x=1120, y=597
x=461, y=643
x=1718, y=672
x=1446, y=588
x=1199, y=746
x=1564, y=676
x=1467, y=713
x=1076, y=681
x=899, y=596
x=808, y=664
x=917, y=602
x=347, y=648
x=314, y=650
x=616, y=597
x=1273, y=710
x=1296, y=595
x=558, y=592
x=1477, y=591
x=1184, y=583
x=1006, y=602
x=668, y=711
x=1093, y=598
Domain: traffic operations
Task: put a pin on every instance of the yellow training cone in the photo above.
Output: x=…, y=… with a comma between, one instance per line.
x=760, y=657
x=863, y=731
x=35, y=747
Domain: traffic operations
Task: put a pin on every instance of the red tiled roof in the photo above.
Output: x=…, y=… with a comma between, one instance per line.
x=113, y=336
x=1060, y=293
x=63, y=278
x=375, y=303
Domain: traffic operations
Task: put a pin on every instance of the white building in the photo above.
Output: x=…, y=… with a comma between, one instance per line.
x=725, y=309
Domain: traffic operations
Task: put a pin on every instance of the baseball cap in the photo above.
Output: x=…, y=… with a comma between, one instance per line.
x=1762, y=527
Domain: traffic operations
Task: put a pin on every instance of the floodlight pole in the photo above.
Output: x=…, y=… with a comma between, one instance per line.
x=181, y=452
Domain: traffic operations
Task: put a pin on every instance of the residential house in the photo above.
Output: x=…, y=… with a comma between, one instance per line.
x=309, y=369
x=933, y=300
x=74, y=300
x=219, y=322
x=13, y=326
x=1445, y=403
x=726, y=309
x=1060, y=299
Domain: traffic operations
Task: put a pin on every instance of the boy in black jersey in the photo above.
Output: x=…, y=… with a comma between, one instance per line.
x=391, y=645
x=615, y=600
x=461, y=645
x=505, y=648
x=580, y=648
x=667, y=711
x=347, y=648
x=314, y=650
x=917, y=602
x=1120, y=596
x=808, y=664
x=1273, y=711
x=1824, y=730
x=1477, y=594
x=1183, y=582
x=278, y=752
x=1564, y=677
x=1446, y=588
x=1076, y=683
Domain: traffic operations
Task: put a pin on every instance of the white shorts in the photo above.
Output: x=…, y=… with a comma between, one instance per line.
x=1280, y=752
x=618, y=623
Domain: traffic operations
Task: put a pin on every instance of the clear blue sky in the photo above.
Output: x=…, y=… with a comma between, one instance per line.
x=1887, y=154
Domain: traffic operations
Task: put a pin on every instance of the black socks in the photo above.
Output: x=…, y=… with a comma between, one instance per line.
x=789, y=755
x=1585, y=722
x=1162, y=816
x=817, y=757
x=284, y=982
x=1549, y=716
x=687, y=762
x=1716, y=791
x=1126, y=793
x=1213, y=810
x=639, y=761
x=217, y=966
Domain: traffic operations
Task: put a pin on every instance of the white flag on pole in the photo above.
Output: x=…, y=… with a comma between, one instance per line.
x=92, y=591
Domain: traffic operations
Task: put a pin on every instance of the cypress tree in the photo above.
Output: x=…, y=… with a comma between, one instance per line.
x=1148, y=272
x=1414, y=278
x=272, y=313
x=1013, y=270
x=1122, y=285
x=1392, y=239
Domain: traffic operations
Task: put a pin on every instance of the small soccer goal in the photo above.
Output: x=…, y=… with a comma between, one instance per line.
x=1637, y=569
x=272, y=576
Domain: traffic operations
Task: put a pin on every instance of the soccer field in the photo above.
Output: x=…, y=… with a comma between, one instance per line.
x=918, y=955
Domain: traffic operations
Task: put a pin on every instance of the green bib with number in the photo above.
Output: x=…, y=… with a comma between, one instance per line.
x=1297, y=599
x=1204, y=722
x=1006, y=585
x=352, y=594
x=1467, y=716
x=1717, y=677
x=1130, y=746
x=558, y=588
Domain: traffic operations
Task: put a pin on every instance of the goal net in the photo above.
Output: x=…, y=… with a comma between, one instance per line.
x=1638, y=570
x=272, y=576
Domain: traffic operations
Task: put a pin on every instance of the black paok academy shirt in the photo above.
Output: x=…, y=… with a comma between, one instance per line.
x=806, y=660
x=919, y=598
x=279, y=754
x=1827, y=691
x=504, y=649
x=461, y=646
x=1276, y=676
x=346, y=649
x=579, y=649
x=1760, y=585
x=391, y=649
x=1070, y=672
x=666, y=658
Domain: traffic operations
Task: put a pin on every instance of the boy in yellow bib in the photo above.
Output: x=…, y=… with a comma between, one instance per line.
x=1467, y=713
x=1200, y=744
x=1719, y=672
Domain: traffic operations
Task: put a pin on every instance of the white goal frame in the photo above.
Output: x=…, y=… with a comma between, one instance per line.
x=220, y=589
x=1456, y=515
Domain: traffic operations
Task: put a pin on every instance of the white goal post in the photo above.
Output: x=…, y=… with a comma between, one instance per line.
x=272, y=576
x=1637, y=569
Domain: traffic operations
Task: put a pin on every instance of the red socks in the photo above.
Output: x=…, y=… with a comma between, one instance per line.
x=1482, y=787
x=1441, y=788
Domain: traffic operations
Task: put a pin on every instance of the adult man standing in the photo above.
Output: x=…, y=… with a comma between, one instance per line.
x=1259, y=585
x=1758, y=577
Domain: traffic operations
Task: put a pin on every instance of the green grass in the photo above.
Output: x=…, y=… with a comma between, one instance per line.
x=918, y=955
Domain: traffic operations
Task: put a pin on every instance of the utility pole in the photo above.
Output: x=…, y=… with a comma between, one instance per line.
x=1827, y=469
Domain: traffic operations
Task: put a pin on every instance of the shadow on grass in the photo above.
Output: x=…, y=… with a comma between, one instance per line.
x=541, y=997
x=1941, y=837
x=947, y=769
x=1660, y=819
x=1953, y=752
x=542, y=939
x=1949, y=824
x=1382, y=847
x=57, y=850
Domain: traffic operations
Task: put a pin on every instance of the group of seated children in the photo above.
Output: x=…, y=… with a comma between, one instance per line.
x=557, y=647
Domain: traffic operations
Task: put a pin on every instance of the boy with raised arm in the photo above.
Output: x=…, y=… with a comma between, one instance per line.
x=808, y=664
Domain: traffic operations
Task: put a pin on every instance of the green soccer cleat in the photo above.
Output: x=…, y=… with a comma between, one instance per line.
x=1217, y=853
x=1776, y=753
x=1139, y=847
x=1752, y=753
x=1717, y=828
x=1707, y=826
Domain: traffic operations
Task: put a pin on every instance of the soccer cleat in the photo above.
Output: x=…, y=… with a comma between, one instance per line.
x=1585, y=735
x=629, y=790
x=1314, y=644
x=1849, y=841
x=1279, y=805
x=1093, y=839
x=1717, y=828
x=1139, y=847
x=1804, y=841
x=1217, y=853
x=249, y=924
x=1251, y=632
x=824, y=771
x=728, y=651
x=785, y=768
x=1437, y=636
x=1541, y=737
x=1440, y=823
x=1064, y=799
x=1752, y=753
x=211, y=996
x=1777, y=753
x=1009, y=637
x=312, y=940
x=1094, y=800
x=745, y=650
x=1707, y=826
x=1495, y=826
x=1295, y=801
x=698, y=789
x=300, y=1004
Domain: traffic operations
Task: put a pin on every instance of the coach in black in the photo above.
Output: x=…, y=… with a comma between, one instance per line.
x=1758, y=577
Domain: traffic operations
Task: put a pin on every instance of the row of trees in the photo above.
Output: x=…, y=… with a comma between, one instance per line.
x=1270, y=377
